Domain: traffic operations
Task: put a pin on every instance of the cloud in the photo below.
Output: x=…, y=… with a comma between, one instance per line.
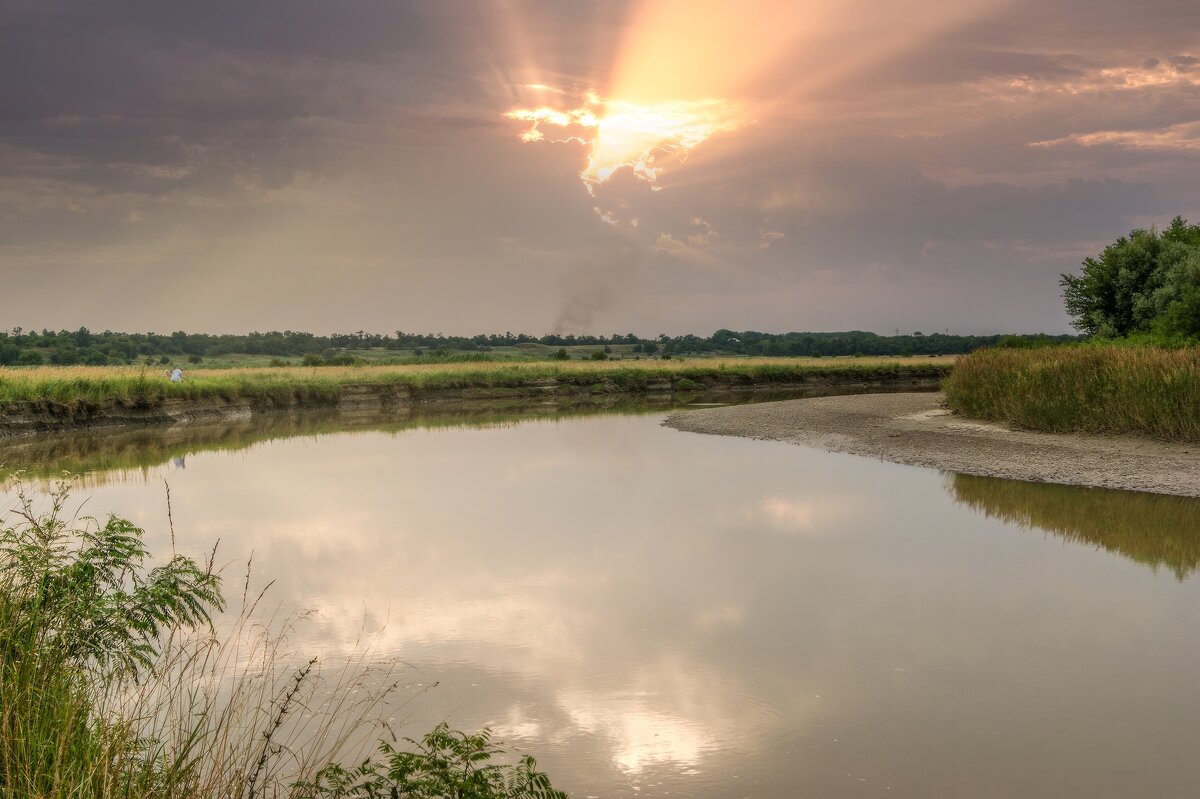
x=352, y=166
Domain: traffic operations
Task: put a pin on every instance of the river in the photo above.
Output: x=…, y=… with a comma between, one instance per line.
x=656, y=613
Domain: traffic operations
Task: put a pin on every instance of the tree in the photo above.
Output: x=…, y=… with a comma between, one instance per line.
x=1143, y=282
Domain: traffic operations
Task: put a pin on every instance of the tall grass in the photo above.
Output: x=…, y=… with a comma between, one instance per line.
x=1103, y=389
x=72, y=386
x=115, y=684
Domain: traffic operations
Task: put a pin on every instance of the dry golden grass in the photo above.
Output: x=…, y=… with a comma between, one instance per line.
x=1094, y=389
x=145, y=385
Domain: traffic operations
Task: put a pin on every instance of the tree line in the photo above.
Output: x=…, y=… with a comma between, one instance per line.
x=21, y=347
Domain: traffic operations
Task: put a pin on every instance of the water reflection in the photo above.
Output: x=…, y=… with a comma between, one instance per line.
x=1154, y=529
x=106, y=455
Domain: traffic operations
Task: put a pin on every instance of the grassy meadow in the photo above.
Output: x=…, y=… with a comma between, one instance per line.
x=148, y=386
x=1149, y=391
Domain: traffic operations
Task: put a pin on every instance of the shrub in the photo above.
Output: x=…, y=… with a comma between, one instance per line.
x=446, y=763
x=81, y=614
x=30, y=358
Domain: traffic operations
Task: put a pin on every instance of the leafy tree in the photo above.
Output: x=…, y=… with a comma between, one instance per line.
x=1144, y=282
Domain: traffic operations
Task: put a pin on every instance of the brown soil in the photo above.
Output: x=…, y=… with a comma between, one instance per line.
x=917, y=429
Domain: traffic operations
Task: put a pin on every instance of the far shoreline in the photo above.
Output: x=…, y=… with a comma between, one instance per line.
x=918, y=430
x=63, y=399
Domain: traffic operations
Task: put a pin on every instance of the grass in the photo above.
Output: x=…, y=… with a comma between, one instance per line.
x=1148, y=391
x=71, y=387
x=1153, y=529
x=115, y=684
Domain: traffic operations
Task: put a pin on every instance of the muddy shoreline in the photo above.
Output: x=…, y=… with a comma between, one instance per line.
x=373, y=399
x=915, y=429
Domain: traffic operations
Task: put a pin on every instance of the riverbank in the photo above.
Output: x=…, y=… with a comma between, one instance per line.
x=917, y=429
x=34, y=401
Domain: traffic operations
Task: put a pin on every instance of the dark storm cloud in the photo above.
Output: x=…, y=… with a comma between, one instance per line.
x=1184, y=63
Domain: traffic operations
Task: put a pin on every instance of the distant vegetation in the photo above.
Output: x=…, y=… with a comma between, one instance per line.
x=19, y=347
x=79, y=389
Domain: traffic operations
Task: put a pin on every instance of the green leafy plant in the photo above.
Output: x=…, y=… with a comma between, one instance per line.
x=445, y=765
x=82, y=619
x=81, y=592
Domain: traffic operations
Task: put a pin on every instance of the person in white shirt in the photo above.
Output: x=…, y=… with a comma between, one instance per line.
x=176, y=375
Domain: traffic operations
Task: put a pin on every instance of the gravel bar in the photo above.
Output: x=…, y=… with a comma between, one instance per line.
x=918, y=429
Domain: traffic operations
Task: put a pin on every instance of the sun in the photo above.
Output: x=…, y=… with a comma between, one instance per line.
x=647, y=138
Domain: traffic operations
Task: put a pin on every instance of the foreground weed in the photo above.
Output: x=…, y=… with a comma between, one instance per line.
x=445, y=763
x=116, y=683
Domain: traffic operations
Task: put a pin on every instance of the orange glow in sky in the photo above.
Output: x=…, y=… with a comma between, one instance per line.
x=675, y=84
x=644, y=137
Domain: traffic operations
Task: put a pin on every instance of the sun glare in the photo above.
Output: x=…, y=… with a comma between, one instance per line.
x=680, y=77
x=647, y=138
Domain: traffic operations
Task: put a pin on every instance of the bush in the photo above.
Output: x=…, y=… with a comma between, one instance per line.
x=446, y=764
x=81, y=614
x=30, y=358
x=561, y=354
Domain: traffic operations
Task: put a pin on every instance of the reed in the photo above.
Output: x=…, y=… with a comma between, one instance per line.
x=73, y=386
x=1149, y=391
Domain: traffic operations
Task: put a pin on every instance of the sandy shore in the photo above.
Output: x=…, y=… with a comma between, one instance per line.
x=916, y=429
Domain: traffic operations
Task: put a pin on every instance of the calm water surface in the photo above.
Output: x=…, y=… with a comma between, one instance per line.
x=656, y=613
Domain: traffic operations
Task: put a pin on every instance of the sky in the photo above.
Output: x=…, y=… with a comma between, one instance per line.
x=598, y=166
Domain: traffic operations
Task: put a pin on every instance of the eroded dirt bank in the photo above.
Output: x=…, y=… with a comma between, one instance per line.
x=914, y=428
x=20, y=419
